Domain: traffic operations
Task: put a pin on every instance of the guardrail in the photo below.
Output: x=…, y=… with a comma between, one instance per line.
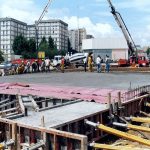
x=135, y=93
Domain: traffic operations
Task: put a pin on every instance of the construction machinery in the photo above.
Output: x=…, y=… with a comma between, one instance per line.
x=39, y=20
x=133, y=52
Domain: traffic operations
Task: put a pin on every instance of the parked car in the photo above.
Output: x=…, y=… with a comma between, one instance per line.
x=5, y=65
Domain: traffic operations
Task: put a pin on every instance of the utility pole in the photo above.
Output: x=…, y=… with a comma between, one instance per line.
x=39, y=20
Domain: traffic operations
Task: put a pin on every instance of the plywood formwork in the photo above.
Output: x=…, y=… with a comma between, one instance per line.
x=43, y=114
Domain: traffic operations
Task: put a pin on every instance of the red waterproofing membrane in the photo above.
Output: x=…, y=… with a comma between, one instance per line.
x=62, y=92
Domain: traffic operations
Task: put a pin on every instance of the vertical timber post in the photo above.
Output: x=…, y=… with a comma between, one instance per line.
x=14, y=135
x=119, y=103
x=109, y=103
x=84, y=143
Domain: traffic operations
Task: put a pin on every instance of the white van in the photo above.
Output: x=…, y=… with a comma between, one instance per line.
x=57, y=60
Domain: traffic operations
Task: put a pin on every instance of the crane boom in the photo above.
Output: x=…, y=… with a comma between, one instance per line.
x=126, y=33
x=39, y=20
x=43, y=13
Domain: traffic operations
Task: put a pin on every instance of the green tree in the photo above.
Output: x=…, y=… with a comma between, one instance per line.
x=69, y=46
x=43, y=46
x=31, y=53
x=148, y=51
x=1, y=56
x=51, y=44
x=20, y=45
x=62, y=52
x=32, y=45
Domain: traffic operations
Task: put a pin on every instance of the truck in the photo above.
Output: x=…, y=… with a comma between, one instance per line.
x=134, y=58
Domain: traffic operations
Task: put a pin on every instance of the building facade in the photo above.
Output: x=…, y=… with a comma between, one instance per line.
x=115, y=48
x=9, y=29
x=57, y=29
x=89, y=36
x=76, y=37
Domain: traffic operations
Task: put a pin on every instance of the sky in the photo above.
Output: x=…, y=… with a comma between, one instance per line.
x=94, y=15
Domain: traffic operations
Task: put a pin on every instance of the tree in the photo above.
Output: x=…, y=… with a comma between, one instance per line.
x=20, y=45
x=43, y=46
x=51, y=44
x=1, y=56
x=62, y=52
x=148, y=51
x=69, y=46
x=32, y=45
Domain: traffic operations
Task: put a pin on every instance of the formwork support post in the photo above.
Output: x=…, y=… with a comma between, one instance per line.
x=14, y=135
x=84, y=143
x=56, y=144
x=110, y=104
x=119, y=99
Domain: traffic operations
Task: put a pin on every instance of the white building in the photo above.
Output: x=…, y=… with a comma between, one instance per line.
x=76, y=37
x=57, y=29
x=115, y=48
x=9, y=29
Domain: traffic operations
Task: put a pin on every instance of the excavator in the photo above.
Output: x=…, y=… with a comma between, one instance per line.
x=134, y=59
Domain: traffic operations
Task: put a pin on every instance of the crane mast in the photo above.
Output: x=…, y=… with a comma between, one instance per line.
x=39, y=20
x=123, y=27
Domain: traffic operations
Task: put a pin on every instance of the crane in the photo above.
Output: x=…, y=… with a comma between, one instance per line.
x=39, y=20
x=123, y=27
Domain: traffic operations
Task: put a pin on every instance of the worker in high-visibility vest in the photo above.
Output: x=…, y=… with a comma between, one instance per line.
x=62, y=64
x=90, y=63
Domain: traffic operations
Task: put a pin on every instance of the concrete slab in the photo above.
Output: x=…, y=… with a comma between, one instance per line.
x=65, y=114
x=118, y=80
x=62, y=92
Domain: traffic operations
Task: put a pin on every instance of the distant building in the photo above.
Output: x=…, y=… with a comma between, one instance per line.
x=31, y=32
x=88, y=36
x=76, y=37
x=9, y=29
x=115, y=48
x=57, y=29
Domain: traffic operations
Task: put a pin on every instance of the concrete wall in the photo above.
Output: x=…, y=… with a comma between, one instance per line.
x=119, y=53
x=115, y=48
x=104, y=43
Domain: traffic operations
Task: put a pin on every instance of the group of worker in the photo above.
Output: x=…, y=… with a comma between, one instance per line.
x=99, y=61
x=32, y=67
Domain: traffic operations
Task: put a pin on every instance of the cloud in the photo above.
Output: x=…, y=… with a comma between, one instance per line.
x=29, y=10
x=23, y=10
x=140, y=5
x=97, y=29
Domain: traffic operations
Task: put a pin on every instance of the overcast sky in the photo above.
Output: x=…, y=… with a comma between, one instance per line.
x=94, y=15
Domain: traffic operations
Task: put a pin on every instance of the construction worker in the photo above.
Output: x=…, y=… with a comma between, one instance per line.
x=98, y=62
x=107, y=62
x=62, y=64
x=90, y=62
x=47, y=64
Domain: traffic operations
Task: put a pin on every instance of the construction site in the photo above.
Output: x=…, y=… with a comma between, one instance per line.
x=52, y=116
x=76, y=110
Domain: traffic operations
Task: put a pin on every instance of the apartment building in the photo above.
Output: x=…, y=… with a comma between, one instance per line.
x=9, y=29
x=76, y=37
x=57, y=29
